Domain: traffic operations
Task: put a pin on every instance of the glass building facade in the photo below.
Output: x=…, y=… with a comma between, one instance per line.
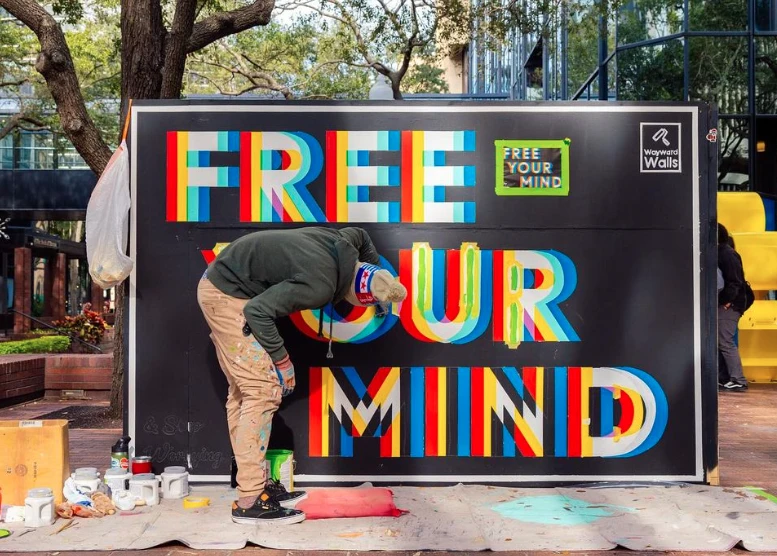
x=38, y=150
x=719, y=51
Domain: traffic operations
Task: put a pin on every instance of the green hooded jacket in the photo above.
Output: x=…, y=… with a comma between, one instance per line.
x=285, y=271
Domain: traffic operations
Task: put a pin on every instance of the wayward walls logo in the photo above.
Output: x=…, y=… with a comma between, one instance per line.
x=659, y=148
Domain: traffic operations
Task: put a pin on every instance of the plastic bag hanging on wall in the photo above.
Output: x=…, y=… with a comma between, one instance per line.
x=107, y=223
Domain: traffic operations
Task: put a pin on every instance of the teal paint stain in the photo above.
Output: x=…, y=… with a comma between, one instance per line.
x=556, y=510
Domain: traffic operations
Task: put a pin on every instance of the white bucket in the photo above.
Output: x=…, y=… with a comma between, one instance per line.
x=39, y=508
x=117, y=478
x=145, y=486
x=175, y=482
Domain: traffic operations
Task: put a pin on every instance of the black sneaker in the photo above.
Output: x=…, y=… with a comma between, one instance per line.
x=282, y=496
x=732, y=386
x=265, y=510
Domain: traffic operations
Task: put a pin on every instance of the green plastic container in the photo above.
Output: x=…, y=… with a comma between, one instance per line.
x=280, y=467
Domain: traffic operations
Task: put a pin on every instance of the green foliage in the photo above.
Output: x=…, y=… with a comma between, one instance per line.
x=718, y=65
x=424, y=76
x=92, y=32
x=71, y=10
x=47, y=344
x=44, y=332
x=88, y=325
x=654, y=73
x=95, y=47
x=300, y=59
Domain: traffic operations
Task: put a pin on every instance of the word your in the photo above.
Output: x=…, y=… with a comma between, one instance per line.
x=453, y=293
x=526, y=168
x=564, y=412
x=273, y=170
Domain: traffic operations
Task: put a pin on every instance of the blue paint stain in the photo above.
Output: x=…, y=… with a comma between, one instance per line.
x=556, y=510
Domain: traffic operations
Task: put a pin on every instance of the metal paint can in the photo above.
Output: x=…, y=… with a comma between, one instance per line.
x=280, y=467
x=141, y=464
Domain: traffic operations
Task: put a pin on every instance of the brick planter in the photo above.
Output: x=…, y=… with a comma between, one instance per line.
x=69, y=373
x=22, y=378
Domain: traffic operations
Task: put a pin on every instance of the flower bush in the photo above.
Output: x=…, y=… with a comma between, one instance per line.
x=88, y=325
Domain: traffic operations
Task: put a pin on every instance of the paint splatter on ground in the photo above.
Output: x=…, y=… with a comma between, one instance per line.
x=556, y=510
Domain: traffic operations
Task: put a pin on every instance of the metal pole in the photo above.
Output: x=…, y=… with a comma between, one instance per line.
x=515, y=49
x=545, y=68
x=686, y=53
x=751, y=92
x=603, y=81
x=564, y=53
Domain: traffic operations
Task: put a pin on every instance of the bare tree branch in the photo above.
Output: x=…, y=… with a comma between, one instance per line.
x=17, y=120
x=56, y=65
x=220, y=89
x=346, y=19
x=392, y=16
x=18, y=83
x=263, y=79
x=223, y=24
x=770, y=63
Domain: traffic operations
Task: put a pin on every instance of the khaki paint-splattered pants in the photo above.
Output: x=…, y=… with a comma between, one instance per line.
x=254, y=389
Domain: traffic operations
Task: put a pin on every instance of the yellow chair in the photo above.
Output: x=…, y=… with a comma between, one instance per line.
x=741, y=212
x=744, y=216
x=758, y=327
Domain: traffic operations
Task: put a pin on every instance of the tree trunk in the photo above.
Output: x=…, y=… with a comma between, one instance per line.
x=142, y=50
x=152, y=65
x=142, y=58
x=117, y=380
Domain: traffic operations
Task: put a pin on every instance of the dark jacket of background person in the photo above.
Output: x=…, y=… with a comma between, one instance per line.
x=730, y=264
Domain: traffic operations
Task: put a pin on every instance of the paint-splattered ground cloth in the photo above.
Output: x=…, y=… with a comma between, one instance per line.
x=460, y=518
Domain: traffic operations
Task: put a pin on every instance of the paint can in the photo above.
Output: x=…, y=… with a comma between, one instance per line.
x=146, y=487
x=117, y=478
x=280, y=467
x=87, y=479
x=141, y=465
x=39, y=508
x=175, y=482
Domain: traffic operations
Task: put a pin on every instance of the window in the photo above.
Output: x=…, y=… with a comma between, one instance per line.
x=68, y=157
x=6, y=152
x=718, y=72
x=36, y=151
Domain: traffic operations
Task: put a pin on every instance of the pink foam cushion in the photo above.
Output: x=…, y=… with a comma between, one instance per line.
x=349, y=502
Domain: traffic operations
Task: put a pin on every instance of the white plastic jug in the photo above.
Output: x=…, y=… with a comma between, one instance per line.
x=117, y=478
x=39, y=508
x=87, y=478
x=145, y=486
x=175, y=482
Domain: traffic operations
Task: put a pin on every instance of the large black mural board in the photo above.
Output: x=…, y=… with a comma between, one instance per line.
x=640, y=245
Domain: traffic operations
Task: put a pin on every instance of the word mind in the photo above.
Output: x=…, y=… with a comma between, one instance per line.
x=564, y=412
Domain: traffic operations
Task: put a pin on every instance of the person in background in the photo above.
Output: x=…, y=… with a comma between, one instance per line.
x=252, y=282
x=731, y=305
